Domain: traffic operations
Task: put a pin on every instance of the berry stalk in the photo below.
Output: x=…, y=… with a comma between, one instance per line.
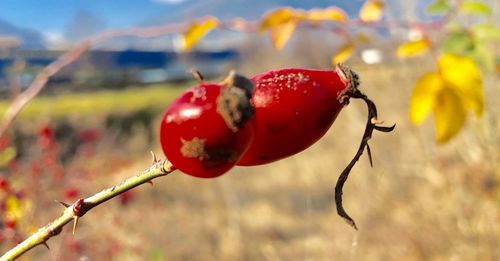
x=371, y=125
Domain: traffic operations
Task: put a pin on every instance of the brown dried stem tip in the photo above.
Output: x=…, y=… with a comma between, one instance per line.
x=197, y=75
x=371, y=124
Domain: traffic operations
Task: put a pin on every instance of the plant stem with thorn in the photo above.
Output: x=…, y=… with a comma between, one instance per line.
x=76, y=210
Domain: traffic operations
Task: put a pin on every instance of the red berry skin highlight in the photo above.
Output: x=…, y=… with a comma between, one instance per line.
x=203, y=132
x=293, y=109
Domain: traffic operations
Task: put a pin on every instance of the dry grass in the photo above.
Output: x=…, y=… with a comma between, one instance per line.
x=419, y=202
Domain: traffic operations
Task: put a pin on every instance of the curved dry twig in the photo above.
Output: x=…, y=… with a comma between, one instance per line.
x=68, y=58
x=71, y=56
x=370, y=126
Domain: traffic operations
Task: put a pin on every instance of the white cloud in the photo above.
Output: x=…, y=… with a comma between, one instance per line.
x=55, y=39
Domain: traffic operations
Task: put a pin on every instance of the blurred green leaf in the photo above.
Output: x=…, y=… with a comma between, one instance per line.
x=438, y=7
x=473, y=43
x=475, y=7
x=456, y=42
x=482, y=54
x=156, y=254
x=486, y=31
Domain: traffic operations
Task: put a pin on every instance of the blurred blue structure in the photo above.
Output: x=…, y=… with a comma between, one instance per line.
x=137, y=66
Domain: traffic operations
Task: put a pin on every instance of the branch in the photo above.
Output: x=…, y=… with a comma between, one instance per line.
x=71, y=56
x=154, y=31
x=73, y=212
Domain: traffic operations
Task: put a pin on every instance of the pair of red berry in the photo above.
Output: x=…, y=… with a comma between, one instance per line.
x=214, y=126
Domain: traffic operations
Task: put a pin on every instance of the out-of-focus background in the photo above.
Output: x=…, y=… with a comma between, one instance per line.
x=95, y=122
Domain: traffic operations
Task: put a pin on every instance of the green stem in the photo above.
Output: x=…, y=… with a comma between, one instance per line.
x=80, y=207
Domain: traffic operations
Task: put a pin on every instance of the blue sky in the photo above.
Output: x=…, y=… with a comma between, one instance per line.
x=53, y=15
x=55, y=20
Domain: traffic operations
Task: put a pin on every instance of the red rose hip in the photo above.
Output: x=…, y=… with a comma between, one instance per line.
x=294, y=108
x=204, y=131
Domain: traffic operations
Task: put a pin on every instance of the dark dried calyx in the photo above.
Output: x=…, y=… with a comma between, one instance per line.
x=233, y=103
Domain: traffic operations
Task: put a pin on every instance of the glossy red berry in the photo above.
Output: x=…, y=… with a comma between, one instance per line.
x=293, y=109
x=204, y=132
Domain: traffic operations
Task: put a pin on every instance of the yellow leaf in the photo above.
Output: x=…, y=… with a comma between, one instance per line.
x=343, y=55
x=449, y=115
x=275, y=18
x=197, y=30
x=280, y=34
x=371, y=11
x=334, y=14
x=449, y=92
x=463, y=75
x=413, y=48
x=423, y=98
x=13, y=208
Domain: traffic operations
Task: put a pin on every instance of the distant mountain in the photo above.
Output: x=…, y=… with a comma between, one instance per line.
x=85, y=23
x=30, y=39
x=226, y=9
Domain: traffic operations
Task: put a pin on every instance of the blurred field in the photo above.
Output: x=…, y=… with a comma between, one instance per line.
x=97, y=104
x=419, y=202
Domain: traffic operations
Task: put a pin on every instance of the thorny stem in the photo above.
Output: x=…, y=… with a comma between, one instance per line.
x=371, y=124
x=76, y=210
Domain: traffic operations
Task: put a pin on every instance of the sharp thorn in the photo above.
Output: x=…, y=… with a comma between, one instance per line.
x=229, y=80
x=62, y=203
x=153, y=155
x=151, y=183
x=167, y=167
x=46, y=245
x=384, y=129
x=75, y=223
x=369, y=152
